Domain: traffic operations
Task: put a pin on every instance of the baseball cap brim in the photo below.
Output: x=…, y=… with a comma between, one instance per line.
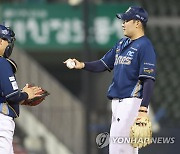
x=123, y=16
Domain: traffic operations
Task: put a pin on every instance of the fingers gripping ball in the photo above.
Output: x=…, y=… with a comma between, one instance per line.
x=70, y=64
x=141, y=132
x=37, y=100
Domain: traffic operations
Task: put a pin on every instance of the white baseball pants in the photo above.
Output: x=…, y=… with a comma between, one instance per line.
x=7, y=126
x=124, y=112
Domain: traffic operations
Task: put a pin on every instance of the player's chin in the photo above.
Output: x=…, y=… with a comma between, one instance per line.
x=125, y=33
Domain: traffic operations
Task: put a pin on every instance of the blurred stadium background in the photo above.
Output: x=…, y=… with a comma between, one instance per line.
x=50, y=31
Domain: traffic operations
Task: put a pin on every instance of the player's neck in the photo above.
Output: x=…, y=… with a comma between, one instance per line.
x=137, y=35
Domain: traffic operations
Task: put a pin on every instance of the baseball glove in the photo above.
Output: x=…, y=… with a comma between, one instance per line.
x=141, y=132
x=37, y=100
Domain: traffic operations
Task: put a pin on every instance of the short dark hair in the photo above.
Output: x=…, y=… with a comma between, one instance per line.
x=143, y=24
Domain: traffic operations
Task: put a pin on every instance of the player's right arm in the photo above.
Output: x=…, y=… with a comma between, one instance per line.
x=105, y=63
x=94, y=66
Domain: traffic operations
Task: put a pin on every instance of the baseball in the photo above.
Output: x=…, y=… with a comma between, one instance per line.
x=70, y=64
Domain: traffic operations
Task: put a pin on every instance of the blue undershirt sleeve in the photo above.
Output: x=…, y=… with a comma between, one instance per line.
x=95, y=66
x=147, y=91
x=16, y=97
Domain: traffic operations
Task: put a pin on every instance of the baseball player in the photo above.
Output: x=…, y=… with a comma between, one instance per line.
x=10, y=95
x=133, y=60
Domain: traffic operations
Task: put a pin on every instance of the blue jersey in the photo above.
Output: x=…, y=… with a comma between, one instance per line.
x=8, y=87
x=131, y=62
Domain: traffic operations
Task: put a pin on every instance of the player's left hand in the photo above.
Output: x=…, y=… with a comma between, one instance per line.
x=32, y=91
x=39, y=96
x=144, y=113
x=141, y=130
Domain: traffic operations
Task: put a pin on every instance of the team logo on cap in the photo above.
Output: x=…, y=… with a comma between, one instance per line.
x=5, y=32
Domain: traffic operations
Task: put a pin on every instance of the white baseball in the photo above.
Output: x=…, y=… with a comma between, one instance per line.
x=70, y=64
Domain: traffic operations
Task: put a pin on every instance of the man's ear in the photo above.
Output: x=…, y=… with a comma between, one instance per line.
x=138, y=24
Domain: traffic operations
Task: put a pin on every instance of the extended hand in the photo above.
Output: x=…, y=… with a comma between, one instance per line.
x=78, y=64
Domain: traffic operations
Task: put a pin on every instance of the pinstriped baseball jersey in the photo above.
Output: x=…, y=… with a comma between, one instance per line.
x=131, y=61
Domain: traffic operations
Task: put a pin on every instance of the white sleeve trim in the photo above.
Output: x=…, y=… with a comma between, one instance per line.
x=105, y=65
x=146, y=76
x=11, y=94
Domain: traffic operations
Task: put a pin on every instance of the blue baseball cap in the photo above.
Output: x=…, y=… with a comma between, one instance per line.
x=134, y=12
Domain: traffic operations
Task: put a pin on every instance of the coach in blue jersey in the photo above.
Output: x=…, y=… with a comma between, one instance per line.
x=10, y=95
x=133, y=60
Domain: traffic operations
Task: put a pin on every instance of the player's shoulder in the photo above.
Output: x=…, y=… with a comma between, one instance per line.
x=3, y=60
x=146, y=46
x=4, y=63
x=145, y=41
